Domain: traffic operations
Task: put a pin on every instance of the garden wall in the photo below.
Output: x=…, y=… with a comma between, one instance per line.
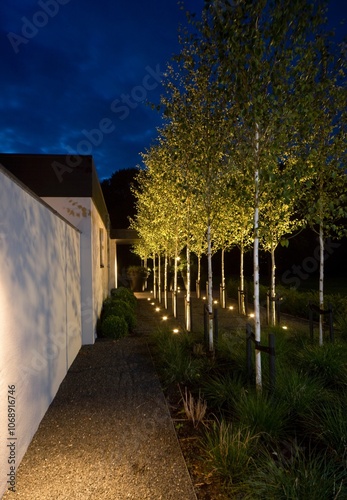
x=40, y=315
x=95, y=257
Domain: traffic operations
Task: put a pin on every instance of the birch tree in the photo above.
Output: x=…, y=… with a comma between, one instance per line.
x=261, y=46
x=324, y=153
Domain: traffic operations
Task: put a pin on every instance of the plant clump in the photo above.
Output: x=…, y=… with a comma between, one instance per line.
x=118, y=315
x=114, y=327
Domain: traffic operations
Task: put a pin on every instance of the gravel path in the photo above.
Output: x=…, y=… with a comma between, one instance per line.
x=108, y=433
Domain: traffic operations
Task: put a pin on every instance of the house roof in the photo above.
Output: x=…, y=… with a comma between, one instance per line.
x=58, y=175
x=124, y=236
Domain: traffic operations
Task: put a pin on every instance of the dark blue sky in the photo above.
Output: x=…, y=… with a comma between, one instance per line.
x=75, y=74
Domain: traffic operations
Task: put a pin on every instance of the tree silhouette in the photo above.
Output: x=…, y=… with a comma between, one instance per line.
x=120, y=200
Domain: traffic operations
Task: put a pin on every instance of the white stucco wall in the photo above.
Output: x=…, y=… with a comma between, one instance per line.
x=95, y=280
x=40, y=312
x=100, y=270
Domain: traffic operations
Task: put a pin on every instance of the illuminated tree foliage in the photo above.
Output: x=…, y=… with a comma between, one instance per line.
x=324, y=151
x=254, y=117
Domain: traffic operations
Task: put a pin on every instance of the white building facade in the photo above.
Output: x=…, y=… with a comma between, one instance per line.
x=56, y=270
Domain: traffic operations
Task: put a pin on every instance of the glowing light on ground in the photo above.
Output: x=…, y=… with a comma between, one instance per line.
x=251, y=315
x=157, y=309
x=204, y=298
x=164, y=318
x=215, y=301
x=285, y=327
x=176, y=330
x=231, y=308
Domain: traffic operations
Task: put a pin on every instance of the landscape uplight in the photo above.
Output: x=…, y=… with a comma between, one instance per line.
x=164, y=318
x=176, y=330
x=285, y=327
x=251, y=315
x=157, y=309
x=231, y=308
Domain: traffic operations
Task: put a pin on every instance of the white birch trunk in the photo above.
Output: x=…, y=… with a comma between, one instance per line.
x=175, y=284
x=146, y=267
x=165, y=281
x=321, y=281
x=257, y=330
x=154, y=278
x=188, y=302
x=242, y=280
x=209, y=287
x=223, y=301
x=273, y=288
x=198, y=280
x=159, y=278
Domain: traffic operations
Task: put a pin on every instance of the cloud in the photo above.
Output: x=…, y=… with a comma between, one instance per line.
x=85, y=64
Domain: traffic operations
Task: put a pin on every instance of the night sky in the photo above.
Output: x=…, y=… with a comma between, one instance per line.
x=76, y=74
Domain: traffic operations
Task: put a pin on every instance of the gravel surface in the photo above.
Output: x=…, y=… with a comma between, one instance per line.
x=108, y=433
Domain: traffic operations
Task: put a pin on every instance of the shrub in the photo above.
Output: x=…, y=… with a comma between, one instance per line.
x=114, y=327
x=121, y=309
x=124, y=294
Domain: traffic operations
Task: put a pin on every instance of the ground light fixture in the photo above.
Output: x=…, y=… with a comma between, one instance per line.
x=251, y=315
x=215, y=301
x=176, y=330
x=165, y=318
x=231, y=308
x=285, y=327
x=157, y=309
